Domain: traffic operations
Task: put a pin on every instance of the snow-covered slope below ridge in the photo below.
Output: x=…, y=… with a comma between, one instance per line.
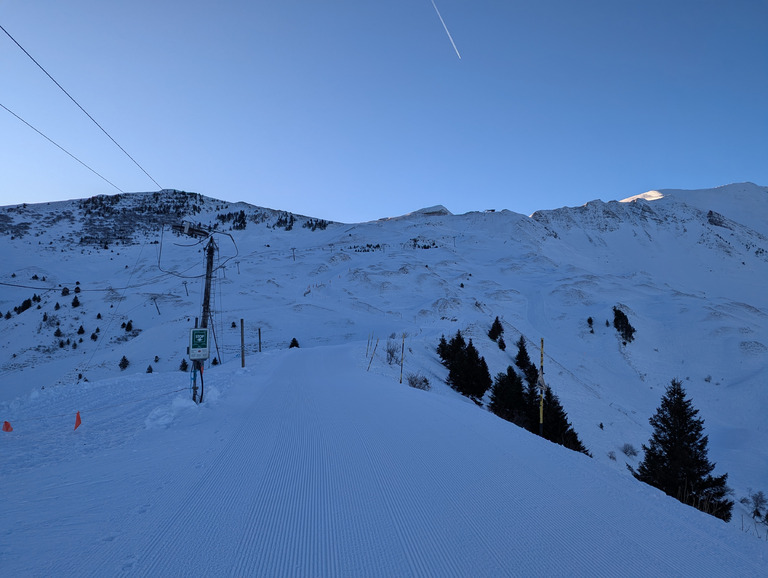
x=690, y=281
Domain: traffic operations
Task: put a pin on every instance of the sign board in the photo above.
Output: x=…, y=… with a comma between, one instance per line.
x=198, y=344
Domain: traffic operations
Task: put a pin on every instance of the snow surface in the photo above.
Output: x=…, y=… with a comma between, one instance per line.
x=317, y=461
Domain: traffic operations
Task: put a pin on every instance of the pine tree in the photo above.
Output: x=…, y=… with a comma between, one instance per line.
x=477, y=379
x=523, y=361
x=507, y=397
x=557, y=428
x=467, y=371
x=183, y=366
x=676, y=457
x=496, y=330
x=456, y=351
x=124, y=363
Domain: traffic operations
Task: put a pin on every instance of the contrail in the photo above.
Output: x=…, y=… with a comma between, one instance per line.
x=446, y=29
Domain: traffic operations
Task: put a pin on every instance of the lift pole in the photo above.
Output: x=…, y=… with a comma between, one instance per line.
x=197, y=364
x=209, y=253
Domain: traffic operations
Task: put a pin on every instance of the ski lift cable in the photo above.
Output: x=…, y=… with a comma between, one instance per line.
x=61, y=147
x=78, y=105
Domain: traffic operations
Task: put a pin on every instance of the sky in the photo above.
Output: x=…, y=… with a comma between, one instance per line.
x=358, y=110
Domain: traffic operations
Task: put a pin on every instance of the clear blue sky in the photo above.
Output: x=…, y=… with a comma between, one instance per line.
x=354, y=110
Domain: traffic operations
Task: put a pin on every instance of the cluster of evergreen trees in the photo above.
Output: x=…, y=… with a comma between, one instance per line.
x=467, y=371
x=468, y=374
x=521, y=405
x=622, y=325
x=314, y=224
x=238, y=219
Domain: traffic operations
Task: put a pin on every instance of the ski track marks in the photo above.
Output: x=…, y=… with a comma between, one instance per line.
x=313, y=476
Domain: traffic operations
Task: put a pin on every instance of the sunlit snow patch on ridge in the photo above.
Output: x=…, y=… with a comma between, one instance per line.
x=649, y=196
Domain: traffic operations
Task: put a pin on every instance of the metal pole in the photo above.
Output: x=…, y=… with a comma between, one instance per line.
x=195, y=368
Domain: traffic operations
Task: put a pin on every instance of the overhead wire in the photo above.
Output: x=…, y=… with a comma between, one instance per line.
x=79, y=106
x=61, y=147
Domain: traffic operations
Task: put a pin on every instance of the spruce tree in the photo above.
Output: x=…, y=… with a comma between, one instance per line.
x=507, y=397
x=467, y=371
x=557, y=428
x=477, y=379
x=523, y=361
x=676, y=457
x=456, y=351
x=442, y=349
x=496, y=330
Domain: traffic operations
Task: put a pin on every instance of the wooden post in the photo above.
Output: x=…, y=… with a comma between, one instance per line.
x=402, y=358
x=242, y=343
x=259, y=339
x=542, y=386
x=373, y=355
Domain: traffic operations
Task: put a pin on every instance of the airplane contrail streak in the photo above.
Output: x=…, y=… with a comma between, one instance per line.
x=446, y=29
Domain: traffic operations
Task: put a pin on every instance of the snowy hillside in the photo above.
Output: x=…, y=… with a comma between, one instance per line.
x=317, y=461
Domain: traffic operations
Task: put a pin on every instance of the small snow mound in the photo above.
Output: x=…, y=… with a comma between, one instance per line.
x=163, y=416
x=649, y=196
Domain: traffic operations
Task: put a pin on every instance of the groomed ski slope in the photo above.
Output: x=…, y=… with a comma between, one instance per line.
x=306, y=464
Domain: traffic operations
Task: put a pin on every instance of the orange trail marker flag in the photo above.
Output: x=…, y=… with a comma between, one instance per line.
x=7, y=426
x=78, y=421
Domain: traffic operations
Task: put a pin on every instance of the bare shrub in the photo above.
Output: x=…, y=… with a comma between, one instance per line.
x=393, y=352
x=418, y=381
x=629, y=450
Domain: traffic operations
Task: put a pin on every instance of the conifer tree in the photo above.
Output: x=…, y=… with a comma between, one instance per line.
x=496, y=330
x=676, y=457
x=557, y=428
x=523, y=361
x=507, y=397
x=467, y=371
x=456, y=350
x=477, y=378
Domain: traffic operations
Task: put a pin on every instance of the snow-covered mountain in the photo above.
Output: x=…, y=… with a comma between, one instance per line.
x=687, y=268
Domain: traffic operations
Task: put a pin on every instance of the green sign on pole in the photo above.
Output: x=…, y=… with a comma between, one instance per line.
x=198, y=344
